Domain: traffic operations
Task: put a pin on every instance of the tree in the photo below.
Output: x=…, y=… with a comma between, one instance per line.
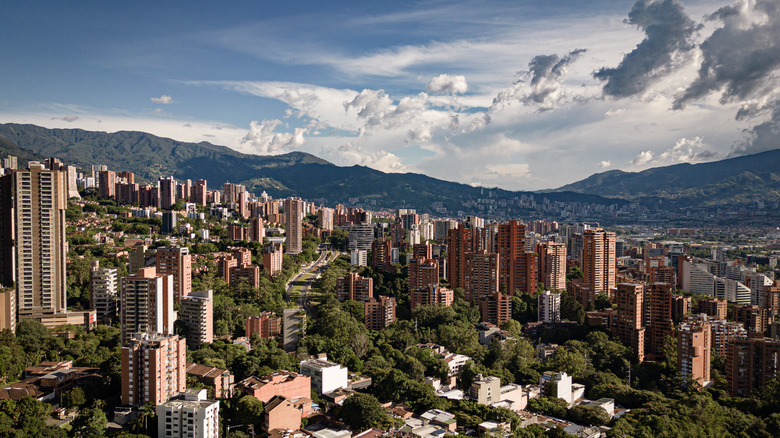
x=74, y=398
x=588, y=415
x=90, y=423
x=249, y=410
x=363, y=411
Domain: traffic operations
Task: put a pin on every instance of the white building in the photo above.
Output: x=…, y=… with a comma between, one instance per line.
x=104, y=291
x=325, y=376
x=358, y=257
x=549, y=306
x=191, y=416
x=197, y=313
x=559, y=385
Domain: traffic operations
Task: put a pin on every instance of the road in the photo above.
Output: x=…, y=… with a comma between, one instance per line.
x=307, y=275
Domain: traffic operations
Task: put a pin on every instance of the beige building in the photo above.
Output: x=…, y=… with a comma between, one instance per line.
x=39, y=207
x=146, y=304
x=485, y=390
x=103, y=291
x=197, y=313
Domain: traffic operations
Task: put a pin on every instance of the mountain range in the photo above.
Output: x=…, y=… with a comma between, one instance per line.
x=737, y=180
x=291, y=174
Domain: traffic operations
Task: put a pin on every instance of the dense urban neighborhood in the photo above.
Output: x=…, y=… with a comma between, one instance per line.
x=169, y=308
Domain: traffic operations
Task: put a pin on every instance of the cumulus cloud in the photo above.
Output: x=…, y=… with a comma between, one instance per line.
x=69, y=118
x=541, y=84
x=447, y=84
x=668, y=32
x=163, y=100
x=378, y=109
x=685, y=150
x=643, y=158
x=741, y=56
x=264, y=139
x=380, y=160
x=603, y=164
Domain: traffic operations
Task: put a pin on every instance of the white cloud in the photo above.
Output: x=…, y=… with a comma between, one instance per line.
x=517, y=170
x=164, y=99
x=157, y=111
x=687, y=150
x=603, y=164
x=448, y=84
x=643, y=158
x=264, y=140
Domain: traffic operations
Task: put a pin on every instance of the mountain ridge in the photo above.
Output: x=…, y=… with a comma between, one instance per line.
x=291, y=174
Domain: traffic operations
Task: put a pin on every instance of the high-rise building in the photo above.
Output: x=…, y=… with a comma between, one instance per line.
x=39, y=210
x=714, y=307
x=273, y=259
x=549, y=306
x=256, y=229
x=168, y=222
x=496, y=308
x=423, y=273
x=146, y=304
x=106, y=184
x=7, y=253
x=459, y=244
x=153, y=369
x=510, y=242
x=482, y=275
x=750, y=363
x=103, y=288
x=381, y=255
x=598, y=260
x=293, y=215
x=8, y=310
x=176, y=261
x=197, y=313
x=167, y=192
x=354, y=287
x=199, y=192
x=658, y=301
x=325, y=218
x=552, y=265
x=753, y=318
x=189, y=415
x=694, y=345
x=379, y=312
x=629, y=326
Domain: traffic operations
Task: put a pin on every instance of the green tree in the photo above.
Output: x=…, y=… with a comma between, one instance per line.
x=363, y=411
x=90, y=423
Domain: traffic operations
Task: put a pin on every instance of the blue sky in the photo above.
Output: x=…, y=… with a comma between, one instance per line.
x=522, y=95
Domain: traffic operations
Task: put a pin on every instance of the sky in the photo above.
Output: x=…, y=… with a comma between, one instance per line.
x=522, y=95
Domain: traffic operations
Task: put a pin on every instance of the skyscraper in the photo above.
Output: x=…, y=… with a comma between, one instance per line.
x=39, y=205
x=293, y=215
x=598, y=260
x=103, y=288
x=176, y=261
x=552, y=265
x=167, y=192
x=459, y=243
x=549, y=306
x=629, y=326
x=146, y=304
x=511, y=247
x=197, y=313
x=694, y=346
x=482, y=274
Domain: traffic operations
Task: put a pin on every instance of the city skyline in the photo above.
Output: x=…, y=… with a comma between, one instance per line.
x=498, y=94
